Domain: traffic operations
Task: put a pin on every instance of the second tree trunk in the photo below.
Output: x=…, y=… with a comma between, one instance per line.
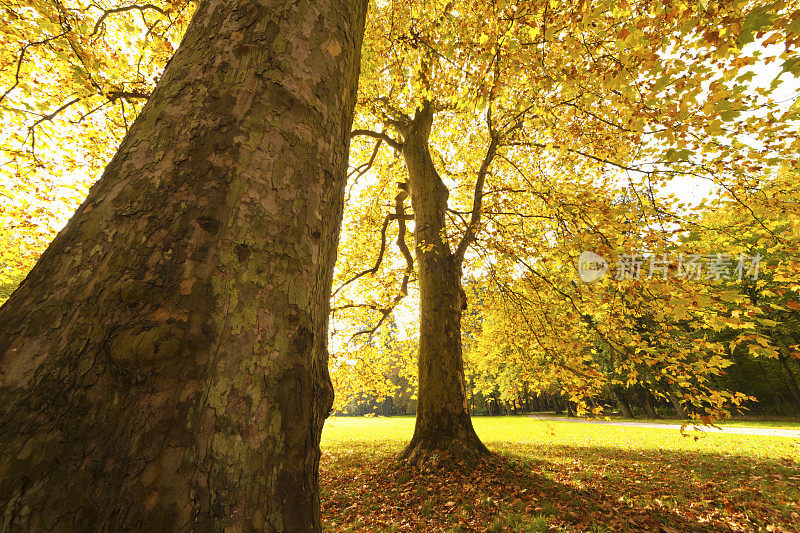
x=443, y=433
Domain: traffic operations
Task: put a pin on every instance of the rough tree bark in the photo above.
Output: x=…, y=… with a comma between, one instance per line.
x=443, y=432
x=163, y=367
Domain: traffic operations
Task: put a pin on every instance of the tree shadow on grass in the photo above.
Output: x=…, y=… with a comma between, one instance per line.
x=585, y=489
x=721, y=491
x=598, y=490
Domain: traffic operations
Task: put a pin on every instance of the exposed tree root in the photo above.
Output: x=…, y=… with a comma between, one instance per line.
x=449, y=453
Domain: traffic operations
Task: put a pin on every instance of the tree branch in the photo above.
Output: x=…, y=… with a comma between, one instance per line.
x=662, y=171
x=377, y=262
x=22, y=57
x=122, y=9
x=378, y=135
x=477, y=200
x=400, y=215
x=128, y=95
x=43, y=118
x=401, y=234
x=363, y=168
x=390, y=115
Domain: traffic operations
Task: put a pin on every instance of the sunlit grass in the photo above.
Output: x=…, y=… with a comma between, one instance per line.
x=508, y=432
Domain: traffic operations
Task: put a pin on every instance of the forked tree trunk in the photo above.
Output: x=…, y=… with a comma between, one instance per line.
x=163, y=367
x=443, y=431
x=647, y=403
x=622, y=402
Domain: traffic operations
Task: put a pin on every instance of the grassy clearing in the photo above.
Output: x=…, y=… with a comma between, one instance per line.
x=557, y=476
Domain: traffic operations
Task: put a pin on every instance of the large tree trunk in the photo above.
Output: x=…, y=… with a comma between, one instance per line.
x=163, y=367
x=443, y=431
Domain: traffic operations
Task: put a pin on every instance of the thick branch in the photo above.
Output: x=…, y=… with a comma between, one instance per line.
x=477, y=201
x=378, y=135
x=390, y=115
x=128, y=95
x=400, y=212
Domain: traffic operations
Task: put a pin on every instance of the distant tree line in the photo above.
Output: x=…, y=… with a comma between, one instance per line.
x=771, y=382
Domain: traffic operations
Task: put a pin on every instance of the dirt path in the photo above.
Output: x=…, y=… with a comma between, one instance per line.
x=767, y=432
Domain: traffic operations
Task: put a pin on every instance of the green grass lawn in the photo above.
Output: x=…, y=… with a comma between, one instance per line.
x=558, y=476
